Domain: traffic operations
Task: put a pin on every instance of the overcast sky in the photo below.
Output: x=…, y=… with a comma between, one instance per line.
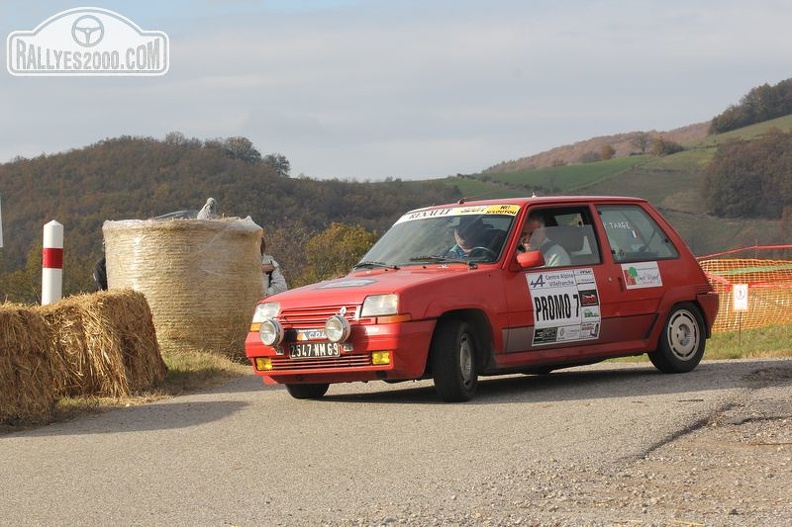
x=357, y=89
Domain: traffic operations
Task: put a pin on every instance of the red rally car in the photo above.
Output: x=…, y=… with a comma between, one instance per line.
x=523, y=285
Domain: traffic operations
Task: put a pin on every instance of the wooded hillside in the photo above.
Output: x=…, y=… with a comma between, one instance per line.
x=762, y=103
x=134, y=177
x=589, y=150
x=752, y=179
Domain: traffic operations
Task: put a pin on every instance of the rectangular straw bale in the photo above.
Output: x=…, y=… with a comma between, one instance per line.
x=29, y=377
x=121, y=318
x=94, y=365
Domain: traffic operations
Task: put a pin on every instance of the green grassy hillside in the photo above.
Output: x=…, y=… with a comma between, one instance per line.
x=672, y=183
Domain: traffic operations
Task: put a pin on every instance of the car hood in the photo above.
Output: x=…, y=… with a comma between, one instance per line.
x=356, y=286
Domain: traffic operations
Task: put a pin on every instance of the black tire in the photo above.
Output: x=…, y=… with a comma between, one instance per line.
x=682, y=341
x=307, y=391
x=453, y=361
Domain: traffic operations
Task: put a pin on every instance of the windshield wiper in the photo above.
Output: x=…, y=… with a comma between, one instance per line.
x=373, y=265
x=434, y=258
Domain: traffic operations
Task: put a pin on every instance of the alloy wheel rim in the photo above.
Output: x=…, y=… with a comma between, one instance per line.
x=683, y=335
x=466, y=360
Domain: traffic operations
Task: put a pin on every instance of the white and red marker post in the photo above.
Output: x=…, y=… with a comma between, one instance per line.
x=52, y=263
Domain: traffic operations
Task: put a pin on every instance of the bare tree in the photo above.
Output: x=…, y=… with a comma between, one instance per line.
x=241, y=148
x=279, y=163
x=641, y=141
x=607, y=152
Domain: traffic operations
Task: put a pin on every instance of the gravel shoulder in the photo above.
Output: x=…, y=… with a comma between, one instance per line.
x=733, y=469
x=736, y=469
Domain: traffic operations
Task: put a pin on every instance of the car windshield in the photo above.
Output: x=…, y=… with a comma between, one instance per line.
x=458, y=234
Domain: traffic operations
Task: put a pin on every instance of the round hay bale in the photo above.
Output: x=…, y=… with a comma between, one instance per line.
x=201, y=278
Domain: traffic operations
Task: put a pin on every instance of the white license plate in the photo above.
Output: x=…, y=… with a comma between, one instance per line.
x=314, y=350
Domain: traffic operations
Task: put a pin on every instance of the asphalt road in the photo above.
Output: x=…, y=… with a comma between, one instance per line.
x=367, y=454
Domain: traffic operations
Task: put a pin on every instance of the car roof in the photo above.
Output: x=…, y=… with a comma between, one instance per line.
x=543, y=200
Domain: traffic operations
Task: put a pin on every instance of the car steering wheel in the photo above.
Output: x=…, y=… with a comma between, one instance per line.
x=482, y=251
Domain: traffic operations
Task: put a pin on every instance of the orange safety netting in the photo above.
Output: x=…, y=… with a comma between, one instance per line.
x=769, y=284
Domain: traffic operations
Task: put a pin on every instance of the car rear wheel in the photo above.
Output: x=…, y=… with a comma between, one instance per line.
x=307, y=391
x=682, y=341
x=454, y=361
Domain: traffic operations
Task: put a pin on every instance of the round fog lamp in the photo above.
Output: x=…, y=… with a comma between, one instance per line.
x=271, y=332
x=337, y=328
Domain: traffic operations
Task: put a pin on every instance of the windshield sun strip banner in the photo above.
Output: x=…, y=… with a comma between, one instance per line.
x=501, y=210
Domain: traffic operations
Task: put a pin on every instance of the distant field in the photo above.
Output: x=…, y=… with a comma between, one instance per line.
x=749, y=132
x=478, y=189
x=570, y=178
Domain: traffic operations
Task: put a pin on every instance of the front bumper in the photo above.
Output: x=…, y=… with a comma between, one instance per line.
x=407, y=342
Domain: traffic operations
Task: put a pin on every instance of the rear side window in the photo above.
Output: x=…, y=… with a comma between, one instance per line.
x=633, y=235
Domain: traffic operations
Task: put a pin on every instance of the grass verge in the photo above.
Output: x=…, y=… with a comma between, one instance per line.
x=773, y=342
x=762, y=343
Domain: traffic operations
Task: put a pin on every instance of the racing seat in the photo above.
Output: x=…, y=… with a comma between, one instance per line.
x=577, y=243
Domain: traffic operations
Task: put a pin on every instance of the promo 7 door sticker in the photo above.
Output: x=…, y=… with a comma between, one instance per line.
x=566, y=306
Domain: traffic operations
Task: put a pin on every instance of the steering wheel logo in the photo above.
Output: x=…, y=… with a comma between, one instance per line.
x=87, y=31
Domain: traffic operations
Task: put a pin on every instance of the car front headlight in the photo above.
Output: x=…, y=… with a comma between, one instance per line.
x=380, y=305
x=265, y=311
x=271, y=332
x=337, y=329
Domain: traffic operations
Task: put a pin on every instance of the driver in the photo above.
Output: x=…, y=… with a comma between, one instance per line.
x=534, y=237
x=468, y=234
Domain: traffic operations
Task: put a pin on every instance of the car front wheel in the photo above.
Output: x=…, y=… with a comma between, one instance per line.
x=454, y=361
x=682, y=341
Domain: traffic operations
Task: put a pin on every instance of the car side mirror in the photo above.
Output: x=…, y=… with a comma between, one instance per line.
x=530, y=259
